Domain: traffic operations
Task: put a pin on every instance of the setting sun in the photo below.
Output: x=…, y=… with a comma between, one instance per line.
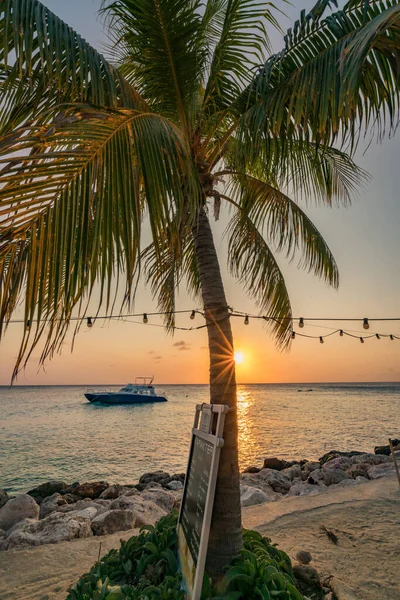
x=239, y=358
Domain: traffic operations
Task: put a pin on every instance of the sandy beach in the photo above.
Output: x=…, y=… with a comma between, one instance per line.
x=363, y=564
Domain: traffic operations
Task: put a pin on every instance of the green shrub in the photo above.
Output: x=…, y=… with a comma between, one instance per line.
x=145, y=568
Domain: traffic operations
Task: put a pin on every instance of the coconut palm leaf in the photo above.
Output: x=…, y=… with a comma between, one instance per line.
x=336, y=75
x=160, y=51
x=71, y=201
x=286, y=226
x=252, y=262
x=43, y=61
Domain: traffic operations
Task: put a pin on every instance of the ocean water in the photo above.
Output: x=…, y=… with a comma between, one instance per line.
x=54, y=433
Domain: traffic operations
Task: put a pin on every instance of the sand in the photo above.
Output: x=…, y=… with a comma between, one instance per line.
x=365, y=563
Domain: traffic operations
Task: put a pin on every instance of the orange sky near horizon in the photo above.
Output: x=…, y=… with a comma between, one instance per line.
x=365, y=241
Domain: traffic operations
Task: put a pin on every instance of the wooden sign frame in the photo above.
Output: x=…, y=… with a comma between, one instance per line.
x=207, y=438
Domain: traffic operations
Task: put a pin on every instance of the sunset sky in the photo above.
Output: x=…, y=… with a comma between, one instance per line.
x=364, y=239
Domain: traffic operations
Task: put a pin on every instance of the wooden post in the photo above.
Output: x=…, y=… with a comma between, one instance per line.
x=394, y=460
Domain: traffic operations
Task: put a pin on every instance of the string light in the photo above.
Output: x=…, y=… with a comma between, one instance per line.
x=301, y=323
x=366, y=324
x=392, y=338
x=341, y=333
x=378, y=337
x=193, y=314
x=293, y=335
x=321, y=339
x=361, y=340
x=246, y=320
x=145, y=318
x=28, y=323
x=89, y=322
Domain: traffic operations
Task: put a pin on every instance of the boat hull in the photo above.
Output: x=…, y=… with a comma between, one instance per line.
x=116, y=398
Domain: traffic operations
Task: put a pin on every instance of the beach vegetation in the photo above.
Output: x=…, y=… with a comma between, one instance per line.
x=191, y=115
x=145, y=566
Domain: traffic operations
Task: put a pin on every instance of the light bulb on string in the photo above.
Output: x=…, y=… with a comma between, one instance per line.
x=193, y=314
x=246, y=320
x=301, y=322
x=89, y=322
x=321, y=339
x=145, y=318
x=341, y=333
x=293, y=335
x=361, y=340
x=28, y=323
x=391, y=337
x=378, y=337
x=365, y=324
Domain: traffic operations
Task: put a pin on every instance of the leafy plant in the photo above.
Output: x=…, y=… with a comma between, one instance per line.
x=145, y=567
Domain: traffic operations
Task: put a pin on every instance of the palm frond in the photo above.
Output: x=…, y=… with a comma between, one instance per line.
x=159, y=50
x=285, y=225
x=72, y=195
x=43, y=62
x=337, y=75
x=251, y=261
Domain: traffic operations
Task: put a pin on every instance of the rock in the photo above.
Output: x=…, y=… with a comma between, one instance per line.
x=252, y=470
x=358, y=470
x=308, y=581
x=50, y=504
x=304, y=557
x=175, y=485
x=361, y=479
x=335, y=453
x=92, y=489
x=327, y=476
x=309, y=467
x=275, y=463
x=278, y=481
x=131, y=492
x=112, y=492
x=112, y=521
x=105, y=503
x=249, y=496
x=304, y=489
x=371, y=459
x=146, y=511
x=71, y=498
x=50, y=530
x=21, y=507
x=49, y=488
x=375, y=472
x=121, y=503
x=155, y=476
x=90, y=512
x=386, y=449
x=341, y=462
x=84, y=504
x=4, y=497
x=292, y=472
x=162, y=498
x=3, y=534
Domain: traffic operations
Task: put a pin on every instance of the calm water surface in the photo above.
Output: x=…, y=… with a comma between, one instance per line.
x=54, y=433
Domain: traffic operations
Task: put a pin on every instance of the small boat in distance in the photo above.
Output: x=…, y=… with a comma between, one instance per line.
x=133, y=393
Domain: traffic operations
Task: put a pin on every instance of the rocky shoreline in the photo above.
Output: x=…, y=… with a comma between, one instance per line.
x=55, y=511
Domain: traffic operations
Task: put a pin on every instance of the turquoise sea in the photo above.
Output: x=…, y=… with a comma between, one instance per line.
x=54, y=433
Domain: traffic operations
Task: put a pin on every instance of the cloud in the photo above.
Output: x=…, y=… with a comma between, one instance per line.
x=182, y=345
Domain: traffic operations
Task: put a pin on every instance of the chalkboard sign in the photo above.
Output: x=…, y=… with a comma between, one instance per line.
x=198, y=496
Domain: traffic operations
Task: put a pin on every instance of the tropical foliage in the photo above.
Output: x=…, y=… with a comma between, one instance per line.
x=145, y=566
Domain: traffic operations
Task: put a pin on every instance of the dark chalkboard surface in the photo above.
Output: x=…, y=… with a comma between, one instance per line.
x=194, y=500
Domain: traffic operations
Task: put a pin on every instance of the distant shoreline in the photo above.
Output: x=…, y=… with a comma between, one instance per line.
x=307, y=383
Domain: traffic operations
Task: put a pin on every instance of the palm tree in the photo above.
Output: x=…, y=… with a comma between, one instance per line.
x=193, y=111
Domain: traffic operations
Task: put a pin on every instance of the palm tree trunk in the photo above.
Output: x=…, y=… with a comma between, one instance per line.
x=226, y=529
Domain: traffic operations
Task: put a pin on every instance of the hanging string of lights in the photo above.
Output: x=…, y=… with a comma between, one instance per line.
x=301, y=322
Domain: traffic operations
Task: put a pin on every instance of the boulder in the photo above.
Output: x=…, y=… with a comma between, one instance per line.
x=327, y=476
x=375, y=472
x=309, y=467
x=249, y=496
x=4, y=497
x=104, y=503
x=386, y=449
x=275, y=463
x=156, y=476
x=21, y=507
x=252, y=470
x=50, y=530
x=131, y=492
x=303, y=557
x=112, y=492
x=90, y=512
x=361, y=479
x=49, y=488
x=371, y=459
x=50, y=504
x=335, y=453
x=175, y=485
x=162, y=498
x=146, y=511
x=292, y=472
x=308, y=581
x=305, y=489
x=71, y=498
x=277, y=481
x=358, y=470
x=92, y=489
x=341, y=462
x=112, y=521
